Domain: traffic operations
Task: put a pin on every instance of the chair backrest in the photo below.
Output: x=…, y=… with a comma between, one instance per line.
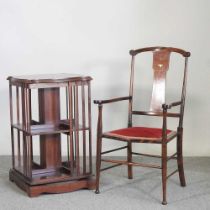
x=161, y=61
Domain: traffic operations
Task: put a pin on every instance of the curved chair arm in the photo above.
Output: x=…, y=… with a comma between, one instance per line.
x=100, y=110
x=169, y=106
x=100, y=102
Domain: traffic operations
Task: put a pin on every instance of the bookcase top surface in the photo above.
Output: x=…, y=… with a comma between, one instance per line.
x=45, y=78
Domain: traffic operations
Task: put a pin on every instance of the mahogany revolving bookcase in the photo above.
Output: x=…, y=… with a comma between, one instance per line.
x=51, y=133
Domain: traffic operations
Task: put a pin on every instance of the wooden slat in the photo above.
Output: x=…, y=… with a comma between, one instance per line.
x=18, y=148
x=28, y=138
x=29, y=156
x=109, y=167
x=11, y=121
x=83, y=126
x=13, y=147
x=27, y=110
x=76, y=117
x=90, y=127
x=113, y=150
x=11, y=103
x=132, y=163
x=172, y=156
x=23, y=106
x=18, y=121
x=169, y=114
x=171, y=174
x=146, y=155
x=67, y=136
x=155, y=156
x=24, y=155
x=70, y=97
x=18, y=104
x=30, y=123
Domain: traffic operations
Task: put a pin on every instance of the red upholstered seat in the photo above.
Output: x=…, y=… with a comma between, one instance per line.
x=141, y=133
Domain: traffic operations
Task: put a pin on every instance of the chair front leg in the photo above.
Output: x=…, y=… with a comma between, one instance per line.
x=164, y=171
x=98, y=164
x=180, y=157
x=129, y=159
x=99, y=145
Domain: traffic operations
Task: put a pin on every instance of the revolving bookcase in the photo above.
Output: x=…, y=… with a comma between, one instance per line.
x=51, y=133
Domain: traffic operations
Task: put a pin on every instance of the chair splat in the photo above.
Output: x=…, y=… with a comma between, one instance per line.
x=160, y=67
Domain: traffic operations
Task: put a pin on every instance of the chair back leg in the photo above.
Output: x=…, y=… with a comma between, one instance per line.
x=180, y=157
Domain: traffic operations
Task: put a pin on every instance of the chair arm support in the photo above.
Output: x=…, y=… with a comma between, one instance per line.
x=169, y=106
x=100, y=102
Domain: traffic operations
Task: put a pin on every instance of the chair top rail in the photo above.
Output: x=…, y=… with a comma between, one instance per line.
x=157, y=48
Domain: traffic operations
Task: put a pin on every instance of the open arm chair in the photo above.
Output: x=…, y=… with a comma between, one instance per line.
x=158, y=107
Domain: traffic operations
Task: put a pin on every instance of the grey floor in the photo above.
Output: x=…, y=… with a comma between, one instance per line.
x=117, y=192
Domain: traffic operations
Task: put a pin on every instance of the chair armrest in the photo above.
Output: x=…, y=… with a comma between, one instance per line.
x=169, y=106
x=112, y=100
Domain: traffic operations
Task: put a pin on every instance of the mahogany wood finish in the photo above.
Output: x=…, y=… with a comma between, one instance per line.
x=52, y=174
x=160, y=67
x=158, y=107
x=49, y=113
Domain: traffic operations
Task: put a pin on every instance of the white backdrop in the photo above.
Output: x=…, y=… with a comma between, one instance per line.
x=93, y=38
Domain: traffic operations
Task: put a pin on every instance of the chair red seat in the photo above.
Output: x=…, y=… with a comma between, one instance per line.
x=139, y=133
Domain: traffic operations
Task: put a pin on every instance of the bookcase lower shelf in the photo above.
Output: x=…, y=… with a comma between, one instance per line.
x=57, y=187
